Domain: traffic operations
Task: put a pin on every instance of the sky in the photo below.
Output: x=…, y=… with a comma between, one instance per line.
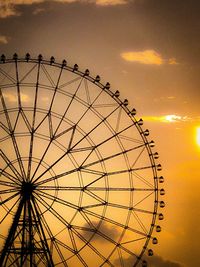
x=149, y=51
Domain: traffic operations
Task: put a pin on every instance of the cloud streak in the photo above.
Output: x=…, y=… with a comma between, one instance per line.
x=110, y=2
x=171, y=118
x=147, y=57
x=8, y=8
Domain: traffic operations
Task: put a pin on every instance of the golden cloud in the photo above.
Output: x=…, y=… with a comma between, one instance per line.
x=3, y=39
x=7, y=10
x=110, y=2
x=172, y=61
x=8, y=7
x=149, y=57
x=13, y=98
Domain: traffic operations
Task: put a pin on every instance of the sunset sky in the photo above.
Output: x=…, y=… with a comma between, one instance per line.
x=149, y=50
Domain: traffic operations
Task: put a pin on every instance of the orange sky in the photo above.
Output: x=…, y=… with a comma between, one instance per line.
x=149, y=51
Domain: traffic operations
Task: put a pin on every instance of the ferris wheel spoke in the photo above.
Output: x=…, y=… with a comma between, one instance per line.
x=96, y=197
x=51, y=139
x=150, y=194
x=64, y=245
x=9, y=177
x=6, y=75
x=107, y=139
x=41, y=232
x=54, y=86
x=8, y=199
x=111, y=157
x=89, y=244
x=121, y=261
x=87, y=187
x=69, y=226
x=139, y=177
x=33, y=122
x=9, y=210
x=8, y=191
x=8, y=184
x=9, y=163
x=57, y=199
x=83, y=168
x=134, y=212
x=48, y=75
x=112, y=222
x=70, y=82
x=5, y=128
x=56, y=242
x=131, y=170
x=16, y=148
x=87, y=92
x=28, y=73
x=27, y=123
x=51, y=236
x=89, y=106
x=75, y=247
x=118, y=189
x=131, y=207
x=18, y=86
x=138, y=157
x=140, y=222
x=56, y=177
x=94, y=128
x=95, y=180
x=53, y=211
x=71, y=148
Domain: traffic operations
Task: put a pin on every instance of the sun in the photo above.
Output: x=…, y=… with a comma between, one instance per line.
x=198, y=136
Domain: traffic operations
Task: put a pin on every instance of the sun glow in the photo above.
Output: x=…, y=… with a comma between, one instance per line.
x=167, y=118
x=198, y=136
x=171, y=118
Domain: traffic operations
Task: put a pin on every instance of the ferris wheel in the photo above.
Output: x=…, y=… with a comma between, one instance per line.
x=78, y=176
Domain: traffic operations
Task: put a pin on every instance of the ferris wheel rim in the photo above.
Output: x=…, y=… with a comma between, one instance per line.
x=123, y=105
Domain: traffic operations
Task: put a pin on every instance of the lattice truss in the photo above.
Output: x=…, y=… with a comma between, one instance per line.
x=78, y=178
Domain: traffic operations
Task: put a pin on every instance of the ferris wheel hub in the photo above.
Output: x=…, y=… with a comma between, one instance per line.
x=27, y=189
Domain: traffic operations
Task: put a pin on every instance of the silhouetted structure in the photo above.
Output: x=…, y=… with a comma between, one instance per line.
x=79, y=183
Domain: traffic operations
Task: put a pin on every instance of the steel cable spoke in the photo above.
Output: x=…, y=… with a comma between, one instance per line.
x=16, y=148
x=9, y=210
x=83, y=167
x=33, y=122
x=57, y=199
x=8, y=199
x=9, y=164
x=71, y=148
x=66, y=110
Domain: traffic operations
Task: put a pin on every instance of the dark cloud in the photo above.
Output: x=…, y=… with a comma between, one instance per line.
x=155, y=261
x=103, y=229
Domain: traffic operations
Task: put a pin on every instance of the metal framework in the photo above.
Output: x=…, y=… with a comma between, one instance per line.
x=78, y=177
